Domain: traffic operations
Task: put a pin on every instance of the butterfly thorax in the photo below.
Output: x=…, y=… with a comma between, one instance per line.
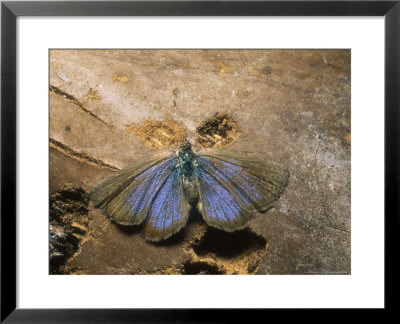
x=186, y=161
x=187, y=166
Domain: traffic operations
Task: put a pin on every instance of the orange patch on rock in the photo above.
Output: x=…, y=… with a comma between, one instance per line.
x=159, y=134
x=224, y=69
x=93, y=95
x=254, y=71
x=120, y=78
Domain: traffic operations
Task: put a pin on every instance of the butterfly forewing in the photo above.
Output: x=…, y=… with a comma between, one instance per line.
x=234, y=186
x=127, y=196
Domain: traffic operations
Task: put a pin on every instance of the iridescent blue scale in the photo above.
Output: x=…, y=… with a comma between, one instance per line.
x=227, y=187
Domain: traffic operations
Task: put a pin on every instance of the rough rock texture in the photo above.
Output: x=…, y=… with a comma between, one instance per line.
x=291, y=107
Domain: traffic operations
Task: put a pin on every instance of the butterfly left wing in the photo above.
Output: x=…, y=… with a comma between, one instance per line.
x=149, y=190
x=169, y=211
x=234, y=186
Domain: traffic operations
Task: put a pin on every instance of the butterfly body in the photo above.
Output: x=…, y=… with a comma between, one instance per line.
x=159, y=191
x=188, y=168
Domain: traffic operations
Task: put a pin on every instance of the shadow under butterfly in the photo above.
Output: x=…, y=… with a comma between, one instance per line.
x=227, y=187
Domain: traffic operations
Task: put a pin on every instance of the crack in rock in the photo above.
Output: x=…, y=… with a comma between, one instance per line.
x=75, y=101
x=82, y=157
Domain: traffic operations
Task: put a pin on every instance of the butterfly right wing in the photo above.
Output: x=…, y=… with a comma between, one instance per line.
x=233, y=186
x=126, y=197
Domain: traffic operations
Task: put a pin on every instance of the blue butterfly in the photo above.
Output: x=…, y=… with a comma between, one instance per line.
x=159, y=191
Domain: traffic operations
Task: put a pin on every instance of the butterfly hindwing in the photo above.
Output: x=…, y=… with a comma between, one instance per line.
x=169, y=211
x=234, y=186
x=218, y=205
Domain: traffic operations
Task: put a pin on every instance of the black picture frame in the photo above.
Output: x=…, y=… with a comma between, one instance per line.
x=9, y=13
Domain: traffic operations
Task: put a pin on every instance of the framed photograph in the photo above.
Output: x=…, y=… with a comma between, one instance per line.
x=231, y=147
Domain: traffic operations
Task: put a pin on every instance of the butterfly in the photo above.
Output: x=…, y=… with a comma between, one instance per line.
x=227, y=187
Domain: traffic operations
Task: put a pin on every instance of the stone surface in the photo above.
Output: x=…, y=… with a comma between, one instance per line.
x=292, y=107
